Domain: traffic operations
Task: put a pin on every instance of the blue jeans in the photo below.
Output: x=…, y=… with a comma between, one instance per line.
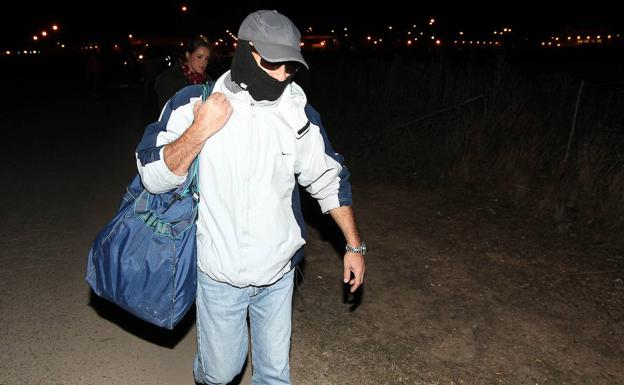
x=222, y=330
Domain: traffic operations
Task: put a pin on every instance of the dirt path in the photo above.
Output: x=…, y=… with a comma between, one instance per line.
x=459, y=290
x=462, y=291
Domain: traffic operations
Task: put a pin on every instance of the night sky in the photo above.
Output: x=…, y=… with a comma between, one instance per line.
x=110, y=20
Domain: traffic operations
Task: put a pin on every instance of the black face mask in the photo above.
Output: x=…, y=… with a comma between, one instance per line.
x=259, y=84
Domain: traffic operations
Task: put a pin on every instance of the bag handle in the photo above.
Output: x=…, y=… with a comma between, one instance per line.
x=192, y=183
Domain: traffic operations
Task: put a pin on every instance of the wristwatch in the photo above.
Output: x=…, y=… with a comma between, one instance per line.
x=359, y=250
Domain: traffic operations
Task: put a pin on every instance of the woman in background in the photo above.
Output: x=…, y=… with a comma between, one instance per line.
x=191, y=69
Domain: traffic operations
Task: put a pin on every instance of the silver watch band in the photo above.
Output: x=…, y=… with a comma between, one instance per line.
x=360, y=250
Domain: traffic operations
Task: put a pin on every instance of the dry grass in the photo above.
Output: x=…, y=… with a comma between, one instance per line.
x=490, y=121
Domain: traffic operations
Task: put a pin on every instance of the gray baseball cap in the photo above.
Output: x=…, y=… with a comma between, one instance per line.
x=274, y=36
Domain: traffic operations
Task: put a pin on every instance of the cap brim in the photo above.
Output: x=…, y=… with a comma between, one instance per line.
x=277, y=53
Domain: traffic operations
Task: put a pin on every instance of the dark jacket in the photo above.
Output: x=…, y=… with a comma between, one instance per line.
x=168, y=83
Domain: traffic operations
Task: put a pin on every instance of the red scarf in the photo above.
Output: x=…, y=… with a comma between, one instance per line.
x=193, y=77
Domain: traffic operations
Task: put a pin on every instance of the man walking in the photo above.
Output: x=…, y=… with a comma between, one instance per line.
x=255, y=137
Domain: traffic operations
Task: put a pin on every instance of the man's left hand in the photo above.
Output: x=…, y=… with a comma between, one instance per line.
x=353, y=263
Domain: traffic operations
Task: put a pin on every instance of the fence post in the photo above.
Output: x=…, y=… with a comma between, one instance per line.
x=578, y=100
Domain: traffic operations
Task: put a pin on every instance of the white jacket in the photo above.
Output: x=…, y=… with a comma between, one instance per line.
x=247, y=232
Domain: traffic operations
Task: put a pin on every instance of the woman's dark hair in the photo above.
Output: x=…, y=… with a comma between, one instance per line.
x=196, y=42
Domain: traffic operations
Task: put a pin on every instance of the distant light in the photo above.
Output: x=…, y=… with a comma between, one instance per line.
x=380, y=40
x=508, y=29
x=461, y=33
x=455, y=42
x=368, y=37
x=598, y=37
x=146, y=45
x=588, y=37
x=7, y=52
x=414, y=26
x=181, y=44
x=438, y=42
x=578, y=37
x=35, y=37
x=116, y=46
x=130, y=36
x=62, y=45
x=375, y=42
x=216, y=43
x=504, y=29
x=301, y=44
x=558, y=44
x=543, y=43
x=608, y=36
x=25, y=52
x=346, y=35
x=569, y=37
x=557, y=39
x=323, y=43
x=496, y=33
x=432, y=37
x=346, y=29
x=140, y=57
x=431, y=21
x=125, y=63
x=44, y=33
x=235, y=44
x=55, y=27
x=409, y=42
x=332, y=31
x=549, y=43
x=409, y=32
x=390, y=27
x=184, y=8
x=221, y=40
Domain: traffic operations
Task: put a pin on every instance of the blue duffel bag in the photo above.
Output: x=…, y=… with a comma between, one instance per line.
x=145, y=258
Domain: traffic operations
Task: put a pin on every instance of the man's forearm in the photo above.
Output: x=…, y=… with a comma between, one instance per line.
x=179, y=154
x=345, y=219
x=354, y=266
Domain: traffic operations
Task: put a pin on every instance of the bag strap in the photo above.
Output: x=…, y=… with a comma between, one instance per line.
x=192, y=182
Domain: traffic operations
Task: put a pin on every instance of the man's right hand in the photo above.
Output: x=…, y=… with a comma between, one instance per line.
x=211, y=115
x=208, y=118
